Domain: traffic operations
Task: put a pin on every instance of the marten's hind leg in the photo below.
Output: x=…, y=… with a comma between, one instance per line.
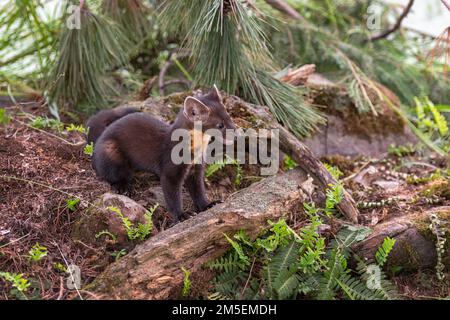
x=111, y=166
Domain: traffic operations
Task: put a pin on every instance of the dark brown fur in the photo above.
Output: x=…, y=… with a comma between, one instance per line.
x=98, y=123
x=140, y=142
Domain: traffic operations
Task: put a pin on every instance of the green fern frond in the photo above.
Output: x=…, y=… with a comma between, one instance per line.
x=286, y=284
x=336, y=267
x=383, y=287
x=284, y=258
x=355, y=289
x=383, y=251
x=228, y=263
x=227, y=284
x=239, y=250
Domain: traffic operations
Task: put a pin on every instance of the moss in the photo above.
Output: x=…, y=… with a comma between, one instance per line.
x=439, y=187
x=340, y=104
x=423, y=226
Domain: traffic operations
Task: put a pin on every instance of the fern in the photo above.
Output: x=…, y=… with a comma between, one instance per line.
x=239, y=250
x=228, y=263
x=336, y=267
x=355, y=289
x=279, y=273
x=383, y=287
x=186, y=282
x=286, y=284
x=383, y=251
x=287, y=264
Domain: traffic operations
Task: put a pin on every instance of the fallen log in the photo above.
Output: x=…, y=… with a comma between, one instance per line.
x=153, y=268
x=415, y=246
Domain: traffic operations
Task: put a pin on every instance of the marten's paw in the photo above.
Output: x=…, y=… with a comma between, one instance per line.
x=213, y=203
x=188, y=214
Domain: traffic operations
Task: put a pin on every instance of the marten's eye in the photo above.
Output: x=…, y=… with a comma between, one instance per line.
x=220, y=125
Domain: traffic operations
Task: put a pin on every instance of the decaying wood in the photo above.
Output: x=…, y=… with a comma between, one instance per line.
x=299, y=76
x=415, y=245
x=153, y=268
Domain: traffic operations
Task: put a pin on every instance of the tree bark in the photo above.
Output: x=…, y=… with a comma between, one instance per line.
x=153, y=268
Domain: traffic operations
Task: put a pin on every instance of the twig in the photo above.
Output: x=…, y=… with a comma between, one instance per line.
x=70, y=272
x=162, y=74
x=7, y=177
x=357, y=171
x=16, y=240
x=282, y=6
x=248, y=279
x=446, y=4
x=397, y=24
x=61, y=288
x=51, y=134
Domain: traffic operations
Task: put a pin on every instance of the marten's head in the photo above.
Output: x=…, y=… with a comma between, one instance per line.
x=209, y=110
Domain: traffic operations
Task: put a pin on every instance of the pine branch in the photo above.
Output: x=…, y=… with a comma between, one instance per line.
x=397, y=24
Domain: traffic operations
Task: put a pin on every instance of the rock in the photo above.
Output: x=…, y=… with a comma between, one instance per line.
x=100, y=218
x=363, y=177
x=387, y=185
x=415, y=246
x=349, y=132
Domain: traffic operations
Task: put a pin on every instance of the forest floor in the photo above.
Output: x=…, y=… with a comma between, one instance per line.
x=41, y=174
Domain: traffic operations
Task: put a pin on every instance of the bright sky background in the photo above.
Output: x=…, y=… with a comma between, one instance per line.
x=429, y=16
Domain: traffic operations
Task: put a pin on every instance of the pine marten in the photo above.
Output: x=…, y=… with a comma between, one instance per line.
x=140, y=142
x=98, y=123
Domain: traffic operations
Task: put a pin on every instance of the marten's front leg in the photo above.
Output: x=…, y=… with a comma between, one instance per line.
x=195, y=184
x=171, y=183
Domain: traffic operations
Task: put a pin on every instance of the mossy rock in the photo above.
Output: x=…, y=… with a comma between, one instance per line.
x=99, y=223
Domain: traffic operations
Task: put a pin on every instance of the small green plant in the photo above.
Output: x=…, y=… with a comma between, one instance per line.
x=186, y=282
x=118, y=254
x=142, y=230
x=334, y=196
x=37, y=252
x=46, y=123
x=432, y=123
x=75, y=128
x=219, y=165
x=420, y=180
x=335, y=172
x=106, y=233
x=89, y=149
x=16, y=280
x=383, y=251
x=289, y=163
x=58, y=266
x=72, y=204
x=401, y=151
x=4, y=118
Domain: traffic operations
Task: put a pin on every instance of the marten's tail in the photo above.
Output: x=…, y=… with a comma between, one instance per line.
x=98, y=123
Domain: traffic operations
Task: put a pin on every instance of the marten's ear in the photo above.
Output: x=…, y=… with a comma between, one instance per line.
x=217, y=93
x=195, y=110
x=214, y=95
